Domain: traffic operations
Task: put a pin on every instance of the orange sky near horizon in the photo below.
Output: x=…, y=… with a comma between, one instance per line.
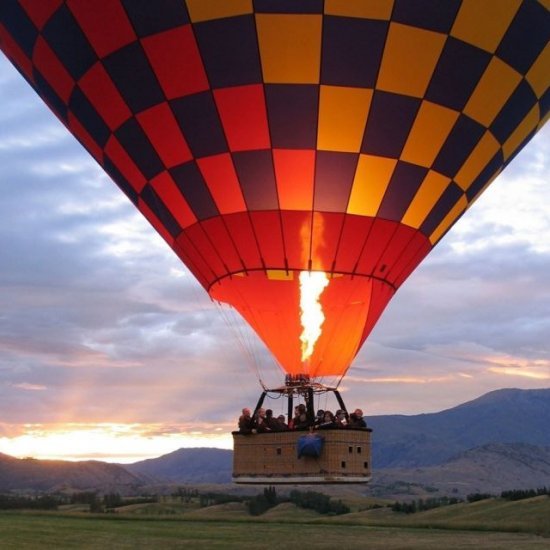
x=128, y=442
x=122, y=443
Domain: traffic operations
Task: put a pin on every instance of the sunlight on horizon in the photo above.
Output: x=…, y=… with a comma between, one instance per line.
x=124, y=443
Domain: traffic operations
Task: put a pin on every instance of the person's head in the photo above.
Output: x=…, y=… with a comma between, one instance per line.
x=261, y=412
x=301, y=408
x=246, y=411
x=340, y=414
x=281, y=418
x=329, y=417
x=320, y=413
x=358, y=413
x=268, y=413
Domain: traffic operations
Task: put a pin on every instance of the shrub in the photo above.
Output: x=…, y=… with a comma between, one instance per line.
x=475, y=497
x=262, y=503
x=319, y=502
x=43, y=502
x=421, y=505
x=520, y=494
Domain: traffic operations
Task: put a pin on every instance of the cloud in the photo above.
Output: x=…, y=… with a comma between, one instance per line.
x=30, y=387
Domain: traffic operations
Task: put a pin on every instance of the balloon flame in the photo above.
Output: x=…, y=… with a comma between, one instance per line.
x=311, y=312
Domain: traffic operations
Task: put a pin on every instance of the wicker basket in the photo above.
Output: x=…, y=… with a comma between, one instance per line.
x=270, y=458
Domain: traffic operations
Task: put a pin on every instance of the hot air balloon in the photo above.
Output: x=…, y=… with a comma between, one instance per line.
x=301, y=158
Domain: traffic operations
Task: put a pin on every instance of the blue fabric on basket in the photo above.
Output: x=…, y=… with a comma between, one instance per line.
x=310, y=445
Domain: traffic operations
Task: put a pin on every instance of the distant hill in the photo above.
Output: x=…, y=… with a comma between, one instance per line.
x=502, y=416
x=491, y=468
x=203, y=465
x=57, y=475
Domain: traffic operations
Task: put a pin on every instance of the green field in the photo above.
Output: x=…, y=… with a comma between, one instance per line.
x=530, y=516
x=490, y=524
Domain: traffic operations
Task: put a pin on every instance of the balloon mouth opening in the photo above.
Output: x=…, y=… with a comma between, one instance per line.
x=312, y=322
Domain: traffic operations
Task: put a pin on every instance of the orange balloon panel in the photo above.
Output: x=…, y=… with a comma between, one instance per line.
x=270, y=303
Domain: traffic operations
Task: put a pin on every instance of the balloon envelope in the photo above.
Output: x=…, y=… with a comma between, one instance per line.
x=264, y=139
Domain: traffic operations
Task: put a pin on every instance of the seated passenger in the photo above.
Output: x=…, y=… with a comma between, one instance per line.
x=260, y=423
x=328, y=421
x=283, y=426
x=271, y=422
x=341, y=419
x=319, y=417
x=300, y=421
x=356, y=419
x=291, y=420
x=246, y=424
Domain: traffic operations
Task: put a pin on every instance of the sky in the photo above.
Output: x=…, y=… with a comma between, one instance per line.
x=110, y=350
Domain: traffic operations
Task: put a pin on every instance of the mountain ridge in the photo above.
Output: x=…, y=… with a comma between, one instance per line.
x=21, y=474
x=490, y=468
x=184, y=465
x=502, y=416
x=490, y=441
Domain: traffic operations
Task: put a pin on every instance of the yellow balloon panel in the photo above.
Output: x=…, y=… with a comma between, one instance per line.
x=484, y=151
x=491, y=93
x=206, y=10
x=290, y=47
x=406, y=69
x=430, y=130
x=430, y=191
x=496, y=16
x=537, y=76
x=379, y=9
x=528, y=126
x=369, y=185
x=342, y=118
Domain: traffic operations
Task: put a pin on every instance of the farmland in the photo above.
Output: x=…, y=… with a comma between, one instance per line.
x=491, y=523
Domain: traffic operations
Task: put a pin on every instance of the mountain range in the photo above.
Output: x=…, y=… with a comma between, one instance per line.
x=187, y=466
x=499, y=441
x=490, y=468
x=501, y=416
x=25, y=474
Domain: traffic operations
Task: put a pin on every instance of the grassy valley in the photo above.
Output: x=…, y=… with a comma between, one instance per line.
x=492, y=523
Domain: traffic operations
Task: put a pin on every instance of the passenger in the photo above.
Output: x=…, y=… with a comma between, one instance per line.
x=341, y=420
x=272, y=423
x=356, y=419
x=319, y=418
x=328, y=421
x=283, y=426
x=300, y=421
x=291, y=421
x=260, y=423
x=246, y=424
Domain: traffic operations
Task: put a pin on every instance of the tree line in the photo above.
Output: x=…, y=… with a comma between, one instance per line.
x=19, y=502
x=267, y=499
x=420, y=505
x=257, y=505
x=311, y=500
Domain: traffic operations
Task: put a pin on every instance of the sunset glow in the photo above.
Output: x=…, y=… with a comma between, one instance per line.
x=537, y=374
x=124, y=443
x=311, y=311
